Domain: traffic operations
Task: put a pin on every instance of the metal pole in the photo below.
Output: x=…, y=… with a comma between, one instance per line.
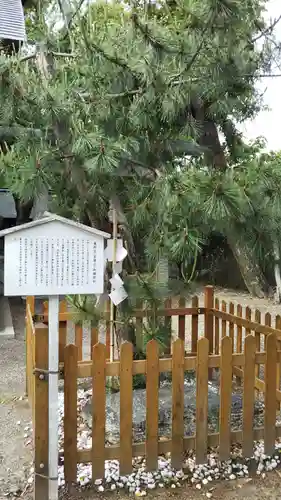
x=112, y=306
x=53, y=395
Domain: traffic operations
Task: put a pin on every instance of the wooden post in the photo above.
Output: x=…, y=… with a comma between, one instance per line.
x=225, y=397
x=29, y=310
x=62, y=331
x=209, y=320
x=62, y=339
x=201, y=436
x=70, y=414
x=278, y=374
x=152, y=404
x=41, y=427
x=30, y=301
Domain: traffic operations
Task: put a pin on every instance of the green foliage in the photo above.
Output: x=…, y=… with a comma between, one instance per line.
x=126, y=102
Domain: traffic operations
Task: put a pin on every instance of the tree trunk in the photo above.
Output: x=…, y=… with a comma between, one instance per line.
x=277, y=273
x=250, y=270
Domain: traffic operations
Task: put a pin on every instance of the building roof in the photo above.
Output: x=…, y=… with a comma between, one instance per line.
x=12, y=25
x=48, y=217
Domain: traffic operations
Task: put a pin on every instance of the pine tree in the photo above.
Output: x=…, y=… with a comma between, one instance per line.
x=126, y=105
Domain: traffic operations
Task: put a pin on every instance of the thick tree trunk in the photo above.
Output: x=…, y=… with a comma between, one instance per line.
x=250, y=270
x=277, y=273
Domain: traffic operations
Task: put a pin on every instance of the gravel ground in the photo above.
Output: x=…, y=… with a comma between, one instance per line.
x=250, y=489
x=15, y=451
x=241, y=489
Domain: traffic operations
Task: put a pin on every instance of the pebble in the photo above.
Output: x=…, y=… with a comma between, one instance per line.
x=139, y=482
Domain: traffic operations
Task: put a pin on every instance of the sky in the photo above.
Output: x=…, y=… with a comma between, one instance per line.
x=267, y=123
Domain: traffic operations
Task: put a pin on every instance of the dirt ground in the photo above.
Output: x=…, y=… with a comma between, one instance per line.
x=15, y=417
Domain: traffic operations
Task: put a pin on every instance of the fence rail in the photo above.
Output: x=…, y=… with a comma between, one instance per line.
x=224, y=337
x=152, y=367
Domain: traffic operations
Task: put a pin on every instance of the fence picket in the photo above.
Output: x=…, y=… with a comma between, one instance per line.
x=217, y=329
x=41, y=423
x=225, y=397
x=194, y=325
x=139, y=327
x=79, y=340
x=126, y=408
x=98, y=410
x=152, y=404
x=231, y=325
x=239, y=330
x=223, y=321
x=249, y=396
x=70, y=412
x=201, y=437
x=28, y=352
x=248, y=316
x=258, y=340
x=178, y=404
x=278, y=327
x=270, y=394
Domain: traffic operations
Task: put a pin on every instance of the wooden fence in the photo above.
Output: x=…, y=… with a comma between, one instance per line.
x=228, y=339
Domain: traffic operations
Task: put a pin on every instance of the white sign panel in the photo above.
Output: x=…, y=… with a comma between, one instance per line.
x=53, y=259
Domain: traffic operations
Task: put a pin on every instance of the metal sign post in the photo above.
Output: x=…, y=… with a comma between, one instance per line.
x=53, y=395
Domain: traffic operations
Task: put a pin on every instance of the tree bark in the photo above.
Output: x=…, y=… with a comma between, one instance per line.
x=250, y=270
x=277, y=273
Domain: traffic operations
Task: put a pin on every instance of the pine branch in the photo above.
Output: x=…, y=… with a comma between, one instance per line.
x=149, y=37
x=268, y=30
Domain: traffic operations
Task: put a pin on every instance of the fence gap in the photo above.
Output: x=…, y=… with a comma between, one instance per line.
x=217, y=328
x=177, y=404
x=70, y=412
x=209, y=317
x=79, y=340
x=126, y=408
x=152, y=404
x=168, y=326
x=181, y=321
x=225, y=397
x=62, y=339
x=201, y=437
x=239, y=312
x=94, y=335
x=223, y=321
x=107, y=329
x=231, y=325
x=98, y=410
x=139, y=326
x=249, y=396
x=194, y=325
x=270, y=394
